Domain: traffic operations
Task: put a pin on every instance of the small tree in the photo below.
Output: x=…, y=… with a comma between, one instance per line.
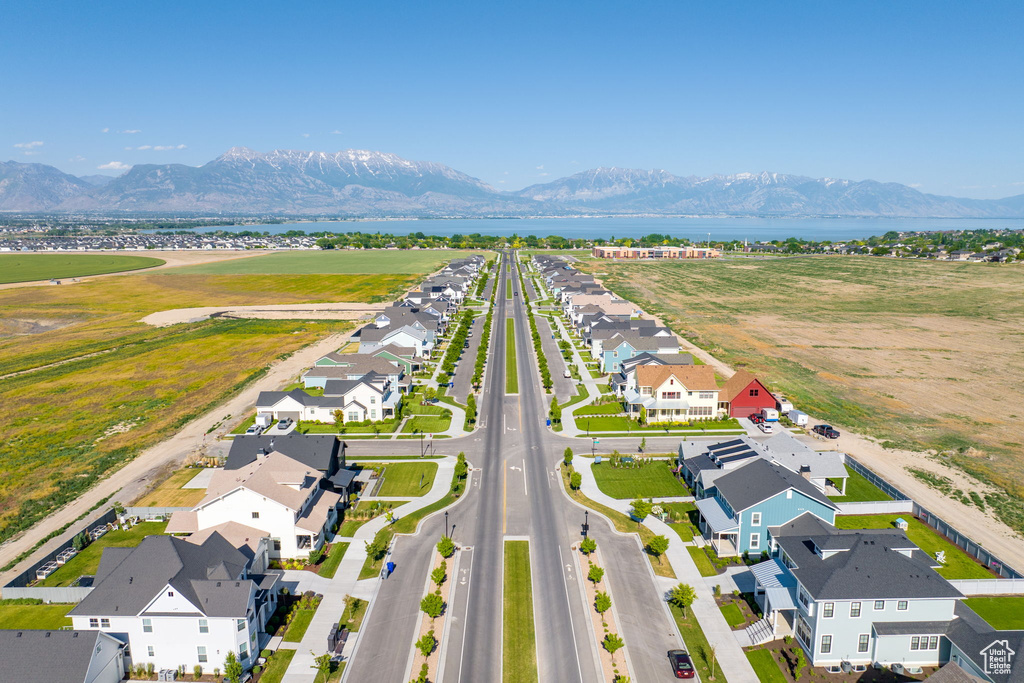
x=602, y=603
x=567, y=457
x=232, y=668
x=424, y=672
x=682, y=596
x=339, y=417
x=588, y=545
x=643, y=415
x=657, y=546
x=595, y=573
x=641, y=508
x=322, y=664
x=471, y=408
x=556, y=412
x=439, y=574
x=426, y=644
x=432, y=605
x=613, y=643
x=446, y=546
x=575, y=481
x=643, y=444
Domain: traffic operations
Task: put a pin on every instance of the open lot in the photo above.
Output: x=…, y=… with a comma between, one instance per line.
x=96, y=386
x=921, y=355
x=170, y=493
x=333, y=261
x=653, y=480
x=30, y=267
x=87, y=561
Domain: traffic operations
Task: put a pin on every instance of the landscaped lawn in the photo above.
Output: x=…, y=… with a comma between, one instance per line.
x=428, y=424
x=330, y=564
x=352, y=617
x=519, y=661
x=700, y=558
x=619, y=423
x=300, y=622
x=959, y=565
x=169, y=494
x=604, y=409
x=87, y=562
x=859, y=489
x=511, y=371
x=408, y=478
x=29, y=267
x=1004, y=613
x=276, y=666
x=382, y=427
x=733, y=616
x=765, y=667
x=653, y=480
x=696, y=644
x=51, y=617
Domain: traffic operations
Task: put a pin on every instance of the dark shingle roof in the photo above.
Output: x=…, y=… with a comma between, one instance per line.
x=760, y=480
x=318, y=451
x=55, y=656
x=910, y=628
x=972, y=634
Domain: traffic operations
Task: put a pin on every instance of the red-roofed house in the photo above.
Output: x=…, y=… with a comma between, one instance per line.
x=743, y=395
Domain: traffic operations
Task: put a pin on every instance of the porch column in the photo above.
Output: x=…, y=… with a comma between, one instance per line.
x=845, y=479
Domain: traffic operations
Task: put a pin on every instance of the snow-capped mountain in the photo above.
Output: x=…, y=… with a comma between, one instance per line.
x=365, y=183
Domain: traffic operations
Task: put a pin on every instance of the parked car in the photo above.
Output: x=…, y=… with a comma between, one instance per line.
x=254, y=430
x=682, y=667
x=567, y=374
x=756, y=418
x=827, y=431
x=285, y=423
x=766, y=427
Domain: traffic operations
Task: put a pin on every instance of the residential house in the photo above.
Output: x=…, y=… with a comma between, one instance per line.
x=367, y=398
x=672, y=392
x=54, y=656
x=626, y=376
x=373, y=338
x=625, y=345
x=364, y=364
x=743, y=394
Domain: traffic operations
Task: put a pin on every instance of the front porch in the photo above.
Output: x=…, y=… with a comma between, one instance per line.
x=718, y=528
x=775, y=593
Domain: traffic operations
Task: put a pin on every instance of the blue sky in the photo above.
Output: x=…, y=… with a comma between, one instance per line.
x=930, y=94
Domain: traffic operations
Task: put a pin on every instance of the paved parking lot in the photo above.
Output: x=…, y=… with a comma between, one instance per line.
x=464, y=370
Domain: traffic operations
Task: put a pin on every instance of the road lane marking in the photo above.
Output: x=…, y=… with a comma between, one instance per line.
x=526, y=488
x=504, y=507
x=465, y=623
x=572, y=625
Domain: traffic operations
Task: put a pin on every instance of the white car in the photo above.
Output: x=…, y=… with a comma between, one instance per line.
x=766, y=427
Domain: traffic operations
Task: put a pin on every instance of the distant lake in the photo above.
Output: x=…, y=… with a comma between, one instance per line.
x=697, y=229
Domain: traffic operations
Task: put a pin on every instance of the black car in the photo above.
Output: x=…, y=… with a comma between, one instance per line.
x=827, y=431
x=682, y=667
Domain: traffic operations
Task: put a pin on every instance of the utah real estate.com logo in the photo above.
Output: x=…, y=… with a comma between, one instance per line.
x=998, y=658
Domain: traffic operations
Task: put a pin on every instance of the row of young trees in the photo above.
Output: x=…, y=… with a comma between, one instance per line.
x=456, y=343
x=485, y=338
x=542, y=361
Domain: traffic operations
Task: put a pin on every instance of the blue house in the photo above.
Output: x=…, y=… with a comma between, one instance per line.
x=751, y=498
x=629, y=344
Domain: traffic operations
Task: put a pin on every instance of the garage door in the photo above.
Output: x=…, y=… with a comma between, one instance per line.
x=288, y=414
x=744, y=411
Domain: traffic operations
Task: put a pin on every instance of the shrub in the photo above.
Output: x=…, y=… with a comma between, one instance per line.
x=439, y=574
x=575, y=481
x=588, y=545
x=432, y=605
x=595, y=573
x=426, y=644
x=567, y=456
x=446, y=547
x=197, y=672
x=266, y=653
x=602, y=602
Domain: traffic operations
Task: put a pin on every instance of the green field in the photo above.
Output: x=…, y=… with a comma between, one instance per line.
x=333, y=261
x=1003, y=613
x=31, y=267
x=765, y=667
x=403, y=478
x=511, y=369
x=653, y=480
x=87, y=561
x=519, y=653
x=959, y=565
x=859, y=489
x=34, y=616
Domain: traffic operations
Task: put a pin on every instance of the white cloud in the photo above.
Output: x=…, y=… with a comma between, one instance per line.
x=105, y=130
x=502, y=182
x=305, y=135
x=114, y=166
x=29, y=145
x=336, y=132
x=541, y=167
x=156, y=148
x=131, y=131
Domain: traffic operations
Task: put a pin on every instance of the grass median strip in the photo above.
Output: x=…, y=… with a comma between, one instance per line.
x=519, y=659
x=511, y=369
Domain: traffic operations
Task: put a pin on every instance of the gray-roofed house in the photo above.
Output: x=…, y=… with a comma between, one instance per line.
x=176, y=602
x=59, y=656
x=322, y=452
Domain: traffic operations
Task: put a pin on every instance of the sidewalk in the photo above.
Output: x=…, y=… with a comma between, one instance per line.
x=569, y=427
x=733, y=662
x=345, y=581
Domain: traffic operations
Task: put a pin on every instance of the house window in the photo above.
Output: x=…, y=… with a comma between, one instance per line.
x=879, y=605
x=373, y=413
x=933, y=643
x=901, y=605
x=240, y=624
x=754, y=392
x=147, y=625
x=243, y=652
x=204, y=626
x=373, y=400
x=94, y=623
x=828, y=609
x=670, y=394
x=201, y=653
x=755, y=541
x=353, y=416
x=706, y=395
x=826, y=645
x=854, y=610
x=915, y=643
x=645, y=391
x=862, y=642
x=170, y=594
x=277, y=544
x=255, y=515
x=755, y=519
x=149, y=651
x=104, y=623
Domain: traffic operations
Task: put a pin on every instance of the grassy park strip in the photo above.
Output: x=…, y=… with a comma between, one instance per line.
x=697, y=644
x=276, y=666
x=408, y=478
x=519, y=642
x=511, y=368
x=330, y=564
x=652, y=480
x=33, y=267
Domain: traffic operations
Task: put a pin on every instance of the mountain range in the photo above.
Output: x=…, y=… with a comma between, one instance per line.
x=377, y=184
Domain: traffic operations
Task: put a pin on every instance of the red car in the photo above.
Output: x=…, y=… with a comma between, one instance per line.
x=682, y=667
x=756, y=419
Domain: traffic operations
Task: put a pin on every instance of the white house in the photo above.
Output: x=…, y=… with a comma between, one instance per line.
x=673, y=392
x=367, y=398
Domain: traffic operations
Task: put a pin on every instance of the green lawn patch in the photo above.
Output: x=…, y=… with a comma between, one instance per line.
x=87, y=562
x=519, y=660
x=170, y=494
x=696, y=644
x=700, y=558
x=297, y=628
x=765, y=666
x=31, y=267
x=428, y=424
x=408, y=478
x=333, y=261
x=352, y=617
x=859, y=489
x=52, y=617
x=277, y=664
x=654, y=480
x=733, y=616
x=511, y=370
x=1003, y=613
x=330, y=564
x=605, y=409
x=959, y=565
x=508, y=289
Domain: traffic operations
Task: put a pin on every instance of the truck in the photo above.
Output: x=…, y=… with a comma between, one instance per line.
x=770, y=414
x=782, y=404
x=798, y=418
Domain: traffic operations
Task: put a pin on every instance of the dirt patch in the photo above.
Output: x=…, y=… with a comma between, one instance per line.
x=346, y=311
x=13, y=327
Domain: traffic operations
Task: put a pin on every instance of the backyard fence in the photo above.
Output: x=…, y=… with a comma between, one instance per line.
x=48, y=594
x=989, y=586
x=152, y=512
x=875, y=507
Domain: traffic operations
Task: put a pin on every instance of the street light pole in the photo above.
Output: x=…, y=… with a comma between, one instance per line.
x=586, y=522
x=446, y=523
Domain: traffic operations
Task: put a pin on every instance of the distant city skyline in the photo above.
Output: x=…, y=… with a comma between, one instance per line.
x=924, y=94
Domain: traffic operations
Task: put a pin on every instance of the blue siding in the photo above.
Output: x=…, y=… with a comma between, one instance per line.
x=775, y=511
x=612, y=357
